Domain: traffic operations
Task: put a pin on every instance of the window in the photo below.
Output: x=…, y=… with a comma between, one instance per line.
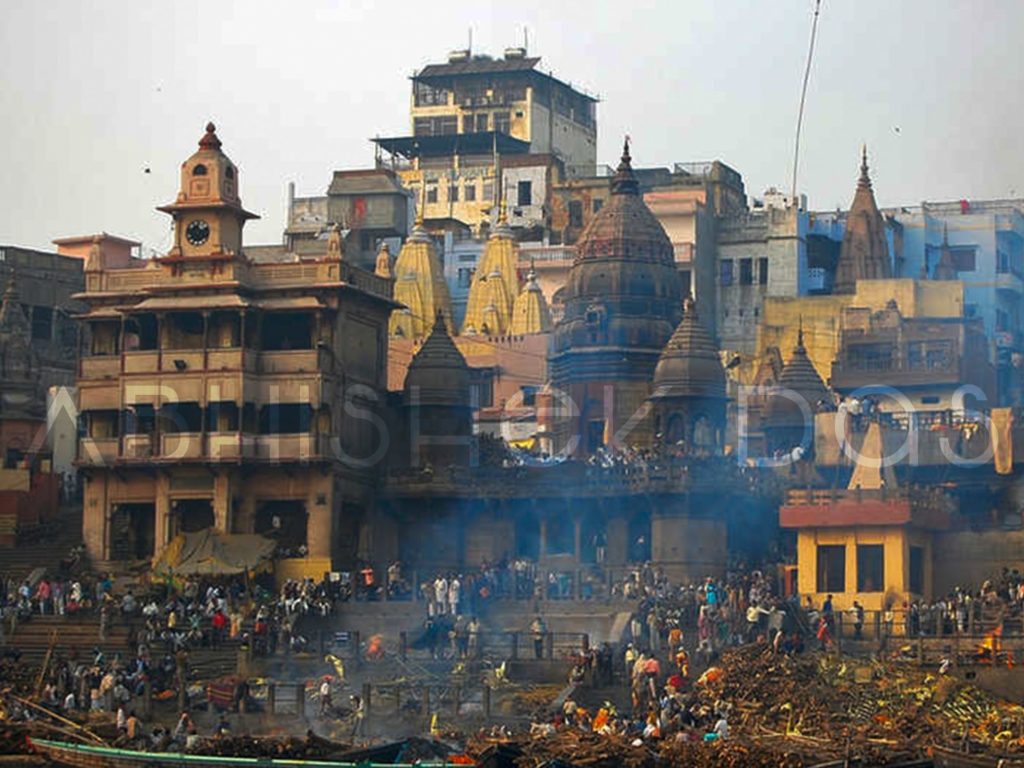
x=575, y=213
x=963, y=258
x=467, y=123
x=746, y=271
x=469, y=190
x=488, y=190
x=686, y=277
x=917, y=570
x=199, y=170
x=726, y=272
x=832, y=568
x=465, y=276
x=529, y=395
x=597, y=205
x=432, y=193
x=453, y=192
x=481, y=122
x=762, y=271
x=229, y=172
x=445, y=125
x=501, y=122
x=42, y=323
x=524, y=193
x=421, y=126
x=870, y=568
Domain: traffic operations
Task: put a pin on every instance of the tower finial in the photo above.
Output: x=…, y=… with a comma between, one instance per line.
x=865, y=179
x=209, y=139
x=423, y=202
x=624, y=182
x=800, y=334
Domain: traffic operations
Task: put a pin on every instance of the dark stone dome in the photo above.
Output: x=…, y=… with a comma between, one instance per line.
x=801, y=377
x=439, y=371
x=623, y=292
x=690, y=365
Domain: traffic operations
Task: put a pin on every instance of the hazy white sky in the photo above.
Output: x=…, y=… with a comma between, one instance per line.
x=95, y=92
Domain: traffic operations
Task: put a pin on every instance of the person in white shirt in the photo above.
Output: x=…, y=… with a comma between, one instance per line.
x=441, y=595
x=722, y=728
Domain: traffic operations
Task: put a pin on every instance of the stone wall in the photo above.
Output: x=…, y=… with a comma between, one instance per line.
x=968, y=557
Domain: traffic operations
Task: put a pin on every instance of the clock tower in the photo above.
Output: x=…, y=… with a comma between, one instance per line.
x=208, y=214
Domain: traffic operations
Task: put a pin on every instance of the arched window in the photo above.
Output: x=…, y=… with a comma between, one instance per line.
x=199, y=170
x=229, y=172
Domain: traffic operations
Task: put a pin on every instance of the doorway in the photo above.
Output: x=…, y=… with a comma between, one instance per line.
x=133, y=532
x=285, y=521
x=194, y=515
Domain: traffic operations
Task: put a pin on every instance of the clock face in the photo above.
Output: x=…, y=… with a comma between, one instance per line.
x=197, y=232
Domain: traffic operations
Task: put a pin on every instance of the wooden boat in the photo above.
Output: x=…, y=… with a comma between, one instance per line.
x=88, y=756
x=943, y=757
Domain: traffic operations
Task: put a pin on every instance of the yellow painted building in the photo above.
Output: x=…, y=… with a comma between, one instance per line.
x=870, y=543
x=822, y=317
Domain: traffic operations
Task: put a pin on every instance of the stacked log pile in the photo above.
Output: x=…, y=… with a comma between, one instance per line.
x=793, y=712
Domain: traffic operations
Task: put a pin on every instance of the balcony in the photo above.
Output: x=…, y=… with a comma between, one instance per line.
x=832, y=508
x=97, y=451
x=228, y=446
x=819, y=280
x=137, y=447
x=141, y=362
x=230, y=359
x=1010, y=283
x=290, y=361
x=183, y=360
x=181, y=446
x=292, y=447
x=101, y=367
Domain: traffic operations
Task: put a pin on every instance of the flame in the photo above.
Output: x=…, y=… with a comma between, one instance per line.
x=990, y=646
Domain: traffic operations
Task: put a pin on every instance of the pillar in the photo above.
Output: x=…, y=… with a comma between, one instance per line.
x=319, y=520
x=222, y=501
x=162, y=511
x=617, y=535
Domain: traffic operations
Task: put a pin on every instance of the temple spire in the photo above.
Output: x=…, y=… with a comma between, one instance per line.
x=864, y=254
x=624, y=181
x=209, y=139
x=865, y=179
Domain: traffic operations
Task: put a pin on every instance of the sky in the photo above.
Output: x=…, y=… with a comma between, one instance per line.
x=93, y=93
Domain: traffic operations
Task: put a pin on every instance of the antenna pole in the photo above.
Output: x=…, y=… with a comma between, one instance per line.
x=803, y=95
x=470, y=49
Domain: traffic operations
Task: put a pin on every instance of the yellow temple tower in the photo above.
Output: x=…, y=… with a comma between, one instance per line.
x=495, y=284
x=530, y=313
x=420, y=286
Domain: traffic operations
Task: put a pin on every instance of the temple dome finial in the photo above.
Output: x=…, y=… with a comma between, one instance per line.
x=865, y=178
x=624, y=181
x=209, y=139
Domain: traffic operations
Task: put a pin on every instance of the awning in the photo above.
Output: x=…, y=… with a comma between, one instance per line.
x=290, y=304
x=101, y=313
x=185, y=303
x=448, y=144
x=209, y=553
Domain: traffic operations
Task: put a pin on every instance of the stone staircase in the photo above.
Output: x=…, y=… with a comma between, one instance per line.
x=20, y=561
x=80, y=633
